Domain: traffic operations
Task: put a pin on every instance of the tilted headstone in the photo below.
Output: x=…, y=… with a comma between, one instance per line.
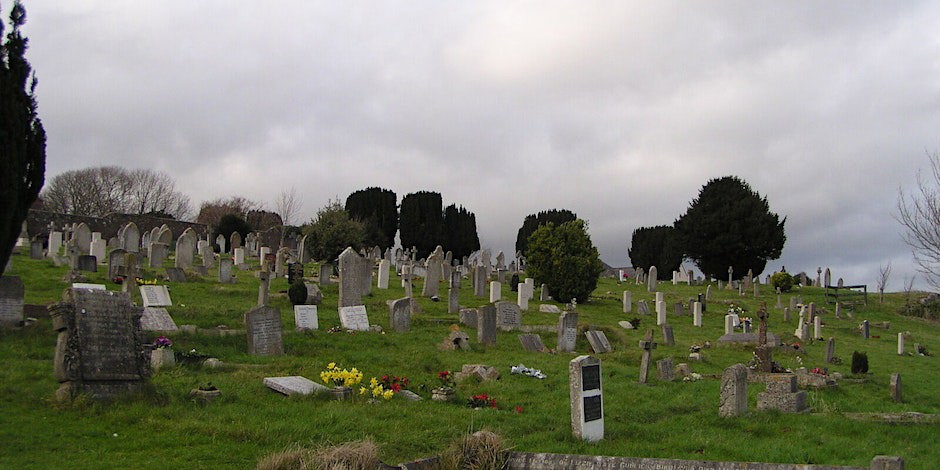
x=486, y=325
x=399, y=314
x=544, y=295
x=155, y=296
x=532, y=342
x=432, y=279
x=733, y=392
x=294, y=385
x=100, y=350
x=354, y=317
x=647, y=345
x=11, y=301
x=157, y=319
x=263, y=325
x=586, y=398
x=305, y=317
x=598, y=341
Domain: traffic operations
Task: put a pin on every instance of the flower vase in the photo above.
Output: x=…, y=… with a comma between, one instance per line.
x=204, y=396
x=162, y=357
x=341, y=393
x=442, y=394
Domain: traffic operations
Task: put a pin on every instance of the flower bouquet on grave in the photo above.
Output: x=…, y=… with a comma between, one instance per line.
x=377, y=390
x=393, y=382
x=191, y=357
x=481, y=401
x=162, y=355
x=341, y=379
x=445, y=389
x=162, y=342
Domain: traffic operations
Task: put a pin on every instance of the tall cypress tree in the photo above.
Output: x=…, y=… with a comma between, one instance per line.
x=656, y=246
x=534, y=221
x=22, y=137
x=460, y=231
x=421, y=221
x=377, y=209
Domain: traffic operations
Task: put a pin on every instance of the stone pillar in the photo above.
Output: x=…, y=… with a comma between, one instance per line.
x=697, y=313
x=586, y=398
x=729, y=324
x=900, y=344
x=660, y=313
x=733, y=394
x=627, y=302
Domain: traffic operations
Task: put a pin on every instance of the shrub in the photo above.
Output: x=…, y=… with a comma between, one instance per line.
x=297, y=293
x=782, y=280
x=859, y=363
x=564, y=258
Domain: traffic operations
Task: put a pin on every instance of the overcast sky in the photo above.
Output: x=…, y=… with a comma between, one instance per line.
x=620, y=111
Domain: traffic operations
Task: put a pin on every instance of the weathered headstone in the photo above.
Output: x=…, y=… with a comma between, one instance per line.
x=664, y=370
x=11, y=301
x=586, y=397
x=353, y=270
x=263, y=325
x=354, y=318
x=220, y=241
x=896, y=394
x=642, y=307
x=294, y=385
x=647, y=345
x=531, y=342
x=225, y=271
x=486, y=325
x=468, y=317
x=157, y=254
x=660, y=313
x=900, y=344
x=567, y=331
x=155, y=296
x=598, y=341
x=651, y=282
x=88, y=263
x=399, y=314
x=781, y=394
x=830, y=350
x=522, y=299
x=239, y=256
x=176, y=274
x=866, y=329
x=81, y=235
x=432, y=279
x=627, y=302
x=99, y=352
x=185, y=249
x=668, y=337
x=306, y=318
x=697, y=314
x=157, y=319
x=383, y=274
x=264, y=285
x=733, y=393
x=55, y=242
x=508, y=316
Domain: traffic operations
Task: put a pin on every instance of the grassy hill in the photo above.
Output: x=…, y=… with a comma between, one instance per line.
x=661, y=419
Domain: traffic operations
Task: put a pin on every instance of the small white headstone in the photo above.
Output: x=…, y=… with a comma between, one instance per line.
x=305, y=317
x=294, y=385
x=155, y=296
x=157, y=319
x=354, y=318
x=85, y=285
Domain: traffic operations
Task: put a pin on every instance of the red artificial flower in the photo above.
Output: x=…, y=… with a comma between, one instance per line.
x=518, y=409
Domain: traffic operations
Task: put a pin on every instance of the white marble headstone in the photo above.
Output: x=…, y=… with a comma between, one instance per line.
x=354, y=318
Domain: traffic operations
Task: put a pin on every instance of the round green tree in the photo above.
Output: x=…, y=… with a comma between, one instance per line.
x=729, y=224
x=563, y=258
x=332, y=231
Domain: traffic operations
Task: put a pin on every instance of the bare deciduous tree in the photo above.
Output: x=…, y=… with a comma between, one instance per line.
x=211, y=212
x=919, y=213
x=98, y=191
x=884, y=273
x=287, y=205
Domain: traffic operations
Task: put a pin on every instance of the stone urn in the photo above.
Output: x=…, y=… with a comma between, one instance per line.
x=442, y=394
x=341, y=393
x=161, y=358
x=204, y=396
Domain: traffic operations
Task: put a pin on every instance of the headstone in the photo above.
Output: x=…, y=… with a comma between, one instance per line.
x=786, y=314
x=549, y=308
x=399, y=314
x=155, y=296
x=679, y=309
x=647, y=345
x=432, y=279
x=225, y=271
x=817, y=327
x=99, y=352
x=264, y=286
x=479, y=281
x=294, y=385
x=36, y=250
x=468, y=317
x=508, y=316
x=598, y=341
x=383, y=274
x=495, y=291
x=82, y=237
x=314, y=295
x=185, y=250
x=543, y=293
x=295, y=273
x=664, y=370
x=11, y=301
x=729, y=324
x=531, y=342
x=827, y=279
x=586, y=398
x=85, y=285
x=697, y=314
x=627, y=302
x=55, y=242
x=708, y=292
x=830, y=350
x=733, y=393
x=522, y=299
x=324, y=276
x=660, y=313
x=354, y=318
x=164, y=235
x=353, y=271
x=157, y=254
x=239, y=255
x=176, y=275
x=486, y=325
x=900, y=344
x=264, y=331
x=651, y=282
x=668, y=337
x=866, y=330
x=116, y=263
x=406, y=280
x=220, y=241
x=896, y=388
x=236, y=241
x=305, y=317
x=730, y=277
x=781, y=394
x=567, y=331
x=642, y=307
x=88, y=263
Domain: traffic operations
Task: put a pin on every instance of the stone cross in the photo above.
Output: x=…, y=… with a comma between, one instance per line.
x=265, y=277
x=730, y=274
x=762, y=351
x=647, y=345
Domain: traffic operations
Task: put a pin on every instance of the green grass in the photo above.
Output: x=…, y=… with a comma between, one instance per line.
x=668, y=420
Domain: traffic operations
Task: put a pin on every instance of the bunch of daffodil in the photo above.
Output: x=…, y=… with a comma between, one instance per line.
x=377, y=390
x=340, y=377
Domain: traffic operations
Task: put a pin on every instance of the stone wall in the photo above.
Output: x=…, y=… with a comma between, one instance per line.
x=37, y=223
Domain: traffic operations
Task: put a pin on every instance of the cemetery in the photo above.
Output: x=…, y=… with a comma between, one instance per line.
x=183, y=363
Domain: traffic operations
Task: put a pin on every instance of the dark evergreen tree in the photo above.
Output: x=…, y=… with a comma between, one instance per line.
x=22, y=137
x=377, y=210
x=534, y=221
x=229, y=224
x=729, y=224
x=421, y=222
x=564, y=258
x=460, y=231
x=656, y=246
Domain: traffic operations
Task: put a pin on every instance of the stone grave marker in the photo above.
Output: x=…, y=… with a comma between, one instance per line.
x=156, y=254
x=11, y=301
x=664, y=370
x=294, y=385
x=549, y=308
x=85, y=285
x=866, y=329
x=660, y=313
x=668, y=336
x=522, y=300
x=116, y=263
x=432, y=279
x=598, y=341
x=651, y=281
x=55, y=242
x=155, y=296
x=353, y=271
x=496, y=291
x=781, y=394
x=627, y=302
x=830, y=350
x=225, y=271
x=486, y=324
x=586, y=397
x=176, y=275
x=88, y=263
x=81, y=235
x=383, y=274
x=185, y=249
x=354, y=317
x=697, y=314
x=157, y=319
x=896, y=388
x=468, y=317
x=567, y=331
x=508, y=316
x=295, y=273
x=305, y=317
x=100, y=350
x=532, y=342
x=642, y=307
x=264, y=285
x=399, y=314
x=263, y=324
x=36, y=250
x=900, y=344
x=647, y=345
x=679, y=309
x=239, y=256
x=220, y=241
x=733, y=392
